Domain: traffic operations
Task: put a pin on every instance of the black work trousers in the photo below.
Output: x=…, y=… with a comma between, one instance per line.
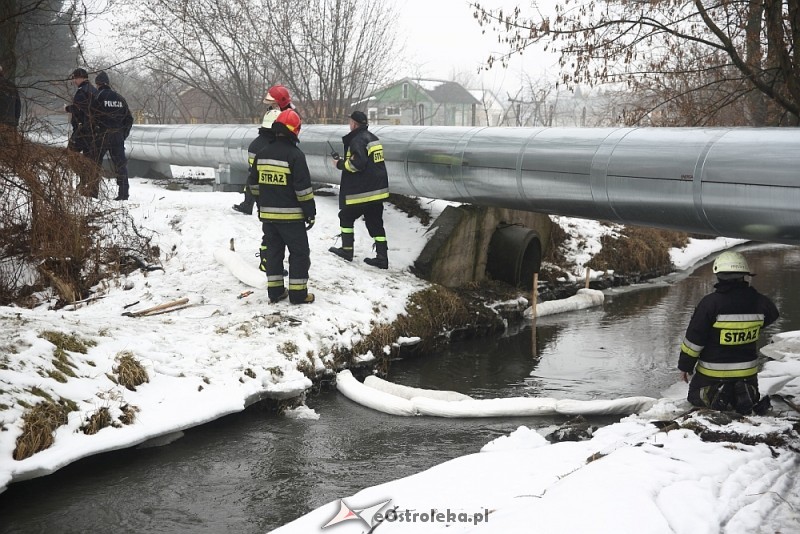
x=82, y=141
x=113, y=142
x=277, y=238
x=373, y=217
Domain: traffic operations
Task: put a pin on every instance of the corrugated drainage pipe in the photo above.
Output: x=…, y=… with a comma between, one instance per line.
x=515, y=254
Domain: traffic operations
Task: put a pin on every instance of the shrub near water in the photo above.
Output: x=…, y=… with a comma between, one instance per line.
x=638, y=251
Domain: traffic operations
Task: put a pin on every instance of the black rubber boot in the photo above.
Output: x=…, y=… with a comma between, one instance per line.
x=280, y=297
x=346, y=250
x=381, y=259
x=308, y=300
x=244, y=207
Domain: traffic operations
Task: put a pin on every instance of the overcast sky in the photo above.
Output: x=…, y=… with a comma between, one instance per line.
x=443, y=37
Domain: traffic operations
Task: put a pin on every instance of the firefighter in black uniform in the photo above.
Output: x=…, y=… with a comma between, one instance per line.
x=112, y=125
x=721, y=341
x=286, y=208
x=265, y=136
x=277, y=99
x=364, y=186
x=82, y=138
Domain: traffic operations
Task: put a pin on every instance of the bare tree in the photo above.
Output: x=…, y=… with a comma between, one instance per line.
x=207, y=45
x=734, y=51
x=329, y=53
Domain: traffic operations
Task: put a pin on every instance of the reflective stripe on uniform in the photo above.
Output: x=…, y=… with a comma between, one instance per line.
x=727, y=370
x=305, y=194
x=275, y=280
x=375, y=150
x=739, y=329
x=691, y=349
x=368, y=196
x=298, y=284
x=281, y=214
x=350, y=167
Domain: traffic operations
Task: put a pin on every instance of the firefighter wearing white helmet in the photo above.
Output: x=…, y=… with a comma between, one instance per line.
x=277, y=99
x=720, y=348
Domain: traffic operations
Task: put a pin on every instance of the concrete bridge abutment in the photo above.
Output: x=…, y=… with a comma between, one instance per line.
x=478, y=243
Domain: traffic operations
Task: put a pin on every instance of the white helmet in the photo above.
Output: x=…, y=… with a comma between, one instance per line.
x=269, y=118
x=731, y=262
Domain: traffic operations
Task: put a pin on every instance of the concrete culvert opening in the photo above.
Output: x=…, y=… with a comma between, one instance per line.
x=515, y=254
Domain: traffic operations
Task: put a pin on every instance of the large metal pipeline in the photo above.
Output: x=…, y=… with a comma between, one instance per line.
x=742, y=182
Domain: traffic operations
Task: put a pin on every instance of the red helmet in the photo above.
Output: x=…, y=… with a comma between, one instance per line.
x=291, y=120
x=280, y=95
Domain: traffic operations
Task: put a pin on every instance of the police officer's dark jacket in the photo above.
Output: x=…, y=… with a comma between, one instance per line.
x=364, y=176
x=284, y=183
x=721, y=340
x=81, y=107
x=110, y=111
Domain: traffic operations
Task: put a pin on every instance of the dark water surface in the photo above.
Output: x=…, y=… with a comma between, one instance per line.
x=253, y=471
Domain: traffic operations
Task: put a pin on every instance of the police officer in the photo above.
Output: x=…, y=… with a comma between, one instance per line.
x=277, y=99
x=721, y=341
x=82, y=138
x=10, y=104
x=286, y=208
x=113, y=121
x=363, y=188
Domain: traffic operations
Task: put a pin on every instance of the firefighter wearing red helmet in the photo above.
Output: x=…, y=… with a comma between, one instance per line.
x=277, y=99
x=286, y=209
x=279, y=96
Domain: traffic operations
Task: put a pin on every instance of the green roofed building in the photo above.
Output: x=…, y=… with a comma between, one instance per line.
x=423, y=102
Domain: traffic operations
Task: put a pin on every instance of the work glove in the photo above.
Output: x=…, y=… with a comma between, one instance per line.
x=309, y=223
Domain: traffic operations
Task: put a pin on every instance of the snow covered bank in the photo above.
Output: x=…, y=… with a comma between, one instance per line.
x=651, y=472
x=629, y=478
x=206, y=360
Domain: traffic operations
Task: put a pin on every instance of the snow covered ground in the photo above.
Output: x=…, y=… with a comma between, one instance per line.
x=223, y=352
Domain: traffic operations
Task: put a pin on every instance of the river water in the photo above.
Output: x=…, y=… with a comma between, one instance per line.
x=254, y=471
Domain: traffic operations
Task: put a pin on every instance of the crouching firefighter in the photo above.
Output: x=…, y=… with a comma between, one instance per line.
x=721, y=341
x=286, y=208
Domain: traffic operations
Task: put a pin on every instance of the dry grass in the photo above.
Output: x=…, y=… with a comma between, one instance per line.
x=307, y=368
x=128, y=414
x=638, y=251
x=97, y=421
x=129, y=372
x=67, y=342
x=38, y=425
x=47, y=226
x=432, y=312
x=431, y=315
x=411, y=207
x=288, y=349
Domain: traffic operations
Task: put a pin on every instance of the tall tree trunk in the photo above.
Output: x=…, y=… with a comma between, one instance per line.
x=8, y=36
x=753, y=56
